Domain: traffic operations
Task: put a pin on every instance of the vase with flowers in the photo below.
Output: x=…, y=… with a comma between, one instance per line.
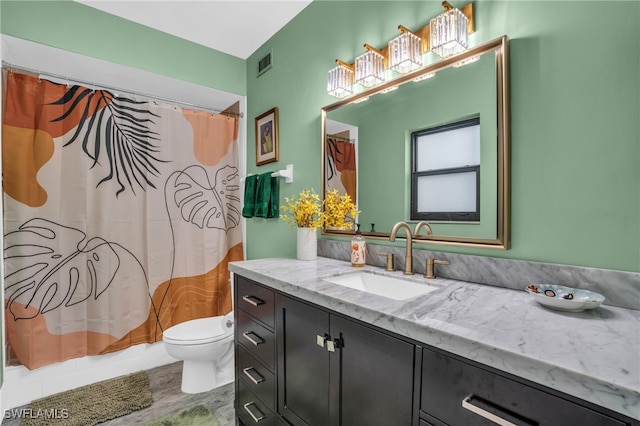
x=307, y=213
x=304, y=211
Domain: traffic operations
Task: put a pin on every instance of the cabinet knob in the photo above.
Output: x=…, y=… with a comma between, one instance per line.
x=320, y=340
x=334, y=344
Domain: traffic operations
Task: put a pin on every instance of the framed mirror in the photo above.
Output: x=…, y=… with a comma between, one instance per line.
x=368, y=149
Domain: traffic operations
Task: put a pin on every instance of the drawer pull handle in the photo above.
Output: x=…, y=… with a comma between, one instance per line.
x=467, y=403
x=253, y=416
x=256, y=340
x=252, y=300
x=253, y=379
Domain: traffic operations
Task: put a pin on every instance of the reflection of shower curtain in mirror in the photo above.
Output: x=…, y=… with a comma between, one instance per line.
x=340, y=165
x=120, y=217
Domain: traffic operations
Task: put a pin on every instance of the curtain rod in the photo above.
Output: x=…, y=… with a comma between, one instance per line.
x=341, y=138
x=12, y=68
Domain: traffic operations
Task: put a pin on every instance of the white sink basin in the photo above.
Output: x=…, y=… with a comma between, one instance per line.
x=382, y=285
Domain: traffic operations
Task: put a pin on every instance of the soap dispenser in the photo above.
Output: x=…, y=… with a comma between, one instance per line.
x=358, y=249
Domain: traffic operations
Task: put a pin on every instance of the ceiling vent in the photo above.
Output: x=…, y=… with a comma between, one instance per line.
x=265, y=63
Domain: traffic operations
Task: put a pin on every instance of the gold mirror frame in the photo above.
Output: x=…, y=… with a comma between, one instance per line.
x=500, y=47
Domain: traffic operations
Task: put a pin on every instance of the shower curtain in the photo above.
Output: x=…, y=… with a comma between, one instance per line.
x=120, y=217
x=340, y=165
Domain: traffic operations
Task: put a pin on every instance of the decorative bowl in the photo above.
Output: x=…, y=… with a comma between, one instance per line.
x=565, y=298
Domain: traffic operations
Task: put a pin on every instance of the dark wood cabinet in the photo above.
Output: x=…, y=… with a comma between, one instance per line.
x=298, y=364
x=335, y=371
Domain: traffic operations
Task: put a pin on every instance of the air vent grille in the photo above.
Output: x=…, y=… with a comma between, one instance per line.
x=264, y=64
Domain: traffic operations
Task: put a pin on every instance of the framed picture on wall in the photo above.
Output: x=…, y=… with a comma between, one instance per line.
x=267, y=137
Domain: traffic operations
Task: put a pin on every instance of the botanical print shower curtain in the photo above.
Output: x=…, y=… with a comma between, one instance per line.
x=120, y=217
x=340, y=165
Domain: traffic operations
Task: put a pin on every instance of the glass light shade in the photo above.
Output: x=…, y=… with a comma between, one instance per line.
x=370, y=69
x=405, y=53
x=448, y=33
x=340, y=82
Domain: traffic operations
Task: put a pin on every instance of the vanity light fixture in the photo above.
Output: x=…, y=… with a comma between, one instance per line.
x=445, y=35
x=405, y=52
x=370, y=67
x=340, y=81
x=448, y=32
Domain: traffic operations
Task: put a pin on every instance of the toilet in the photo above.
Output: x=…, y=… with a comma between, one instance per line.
x=206, y=347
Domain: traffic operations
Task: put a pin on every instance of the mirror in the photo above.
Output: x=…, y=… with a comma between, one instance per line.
x=366, y=146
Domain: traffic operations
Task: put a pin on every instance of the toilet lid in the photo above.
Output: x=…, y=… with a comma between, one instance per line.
x=198, y=331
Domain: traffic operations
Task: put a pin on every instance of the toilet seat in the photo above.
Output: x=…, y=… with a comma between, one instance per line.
x=198, y=332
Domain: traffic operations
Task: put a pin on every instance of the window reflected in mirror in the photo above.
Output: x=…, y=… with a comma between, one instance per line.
x=445, y=178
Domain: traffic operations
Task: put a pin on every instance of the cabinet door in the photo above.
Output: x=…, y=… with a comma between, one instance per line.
x=371, y=377
x=303, y=366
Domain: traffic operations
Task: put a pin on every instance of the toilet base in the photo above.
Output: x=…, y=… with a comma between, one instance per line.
x=199, y=376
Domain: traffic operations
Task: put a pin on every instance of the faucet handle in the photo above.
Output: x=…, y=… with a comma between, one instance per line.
x=430, y=270
x=389, y=257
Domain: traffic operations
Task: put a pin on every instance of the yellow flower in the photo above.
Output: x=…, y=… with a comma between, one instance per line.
x=338, y=209
x=303, y=211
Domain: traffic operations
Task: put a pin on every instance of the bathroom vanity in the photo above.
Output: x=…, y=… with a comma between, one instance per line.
x=311, y=352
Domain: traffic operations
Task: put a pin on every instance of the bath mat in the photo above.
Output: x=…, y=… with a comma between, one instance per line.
x=193, y=416
x=92, y=404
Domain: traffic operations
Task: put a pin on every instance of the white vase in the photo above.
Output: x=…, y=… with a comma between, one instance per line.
x=307, y=244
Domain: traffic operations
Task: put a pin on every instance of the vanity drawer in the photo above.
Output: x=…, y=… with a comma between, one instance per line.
x=256, y=377
x=257, y=339
x=458, y=393
x=256, y=300
x=251, y=410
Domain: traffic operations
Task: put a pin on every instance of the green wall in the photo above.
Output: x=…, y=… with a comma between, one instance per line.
x=575, y=105
x=575, y=108
x=82, y=29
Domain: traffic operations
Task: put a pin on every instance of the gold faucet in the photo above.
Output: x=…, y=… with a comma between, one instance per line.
x=408, y=262
x=430, y=270
x=423, y=224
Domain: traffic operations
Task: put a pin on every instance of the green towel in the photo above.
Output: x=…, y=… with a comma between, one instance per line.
x=263, y=194
x=274, y=208
x=249, y=196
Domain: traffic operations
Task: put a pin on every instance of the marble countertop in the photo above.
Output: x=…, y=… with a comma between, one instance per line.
x=593, y=355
